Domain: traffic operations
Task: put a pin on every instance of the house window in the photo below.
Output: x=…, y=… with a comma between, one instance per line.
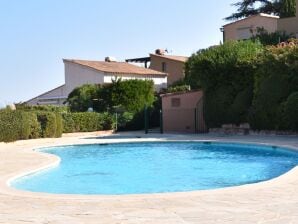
x=164, y=66
x=175, y=102
x=244, y=33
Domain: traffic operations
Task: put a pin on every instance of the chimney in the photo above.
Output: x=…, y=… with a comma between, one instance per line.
x=110, y=59
x=160, y=51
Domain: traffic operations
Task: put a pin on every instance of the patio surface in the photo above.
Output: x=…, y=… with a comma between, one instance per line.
x=274, y=201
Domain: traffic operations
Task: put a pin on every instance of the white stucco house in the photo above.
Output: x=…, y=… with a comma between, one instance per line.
x=79, y=72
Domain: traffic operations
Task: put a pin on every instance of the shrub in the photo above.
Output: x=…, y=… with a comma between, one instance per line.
x=35, y=128
x=107, y=121
x=180, y=88
x=59, y=125
x=16, y=125
x=48, y=124
x=224, y=72
x=275, y=79
x=81, y=98
x=45, y=108
x=86, y=122
x=68, y=123
x=291, y=112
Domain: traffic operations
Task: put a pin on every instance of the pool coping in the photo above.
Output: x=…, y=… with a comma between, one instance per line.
x=49, y=160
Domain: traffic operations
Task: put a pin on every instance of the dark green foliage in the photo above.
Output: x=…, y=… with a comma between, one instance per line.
x=291, y=112
x=16, y=125
x=245, y=8
x=68, y=123
x=46, y=108
x=87, y=122
x=48, y=124
x=267, y=38
x=225, y=73
x=125, y=121
x=240, y=108
x=275, y=80
x=122, y=93
x=130, y=95
x=271, y=92
x=287, y=8
x=82, y=98
x=178, y=88
x=35, y=128
x=118, y=94
x=10, y=127
x=59, y=125
x=107, y=121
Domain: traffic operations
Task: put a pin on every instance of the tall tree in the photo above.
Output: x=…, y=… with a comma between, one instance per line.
x=288, y=8
x=245, y=8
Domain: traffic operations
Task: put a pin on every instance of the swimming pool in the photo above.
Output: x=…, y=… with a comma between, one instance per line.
x=137, y=168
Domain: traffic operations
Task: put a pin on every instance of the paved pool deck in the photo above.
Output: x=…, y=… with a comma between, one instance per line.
x=274, y=201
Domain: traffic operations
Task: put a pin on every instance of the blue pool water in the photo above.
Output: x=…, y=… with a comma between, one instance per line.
x=136, y=168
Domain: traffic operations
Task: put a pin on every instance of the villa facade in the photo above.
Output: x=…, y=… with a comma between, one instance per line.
x=245, y=28
x=80, y=72
x=170, y=64
x=173, y=65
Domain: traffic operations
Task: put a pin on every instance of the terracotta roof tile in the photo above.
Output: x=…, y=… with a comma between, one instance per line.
x=173, y=57
x=116, y=67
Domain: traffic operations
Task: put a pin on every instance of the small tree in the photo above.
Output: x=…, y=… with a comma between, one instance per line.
x=81, y=98
x=245, y=8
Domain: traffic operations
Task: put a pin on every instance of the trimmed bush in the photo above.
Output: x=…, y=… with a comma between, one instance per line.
x=35, y=128
x=87, y=122
x=45, y=108
x=59, y=125
x=291, y=112
x=68, y=123
x=275, y=80
x=107, y=121
x=48, y=124
x=17, y=125
x=224, y=72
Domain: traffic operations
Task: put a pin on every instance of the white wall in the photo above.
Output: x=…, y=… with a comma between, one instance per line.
x=78, y=75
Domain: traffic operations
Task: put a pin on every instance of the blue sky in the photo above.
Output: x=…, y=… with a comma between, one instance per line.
x=37, y=34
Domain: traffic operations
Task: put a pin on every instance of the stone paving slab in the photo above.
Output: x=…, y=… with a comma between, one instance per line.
x=270, y=202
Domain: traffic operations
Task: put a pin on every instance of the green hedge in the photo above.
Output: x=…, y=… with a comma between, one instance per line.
x=225, y=73
x=290, y=113
x=29, y=124
x=246, y=82
x=59, y=125
x=17, y=125
x=276, y=79
x=34, y=125
x=87, y=122
x=48, y=124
